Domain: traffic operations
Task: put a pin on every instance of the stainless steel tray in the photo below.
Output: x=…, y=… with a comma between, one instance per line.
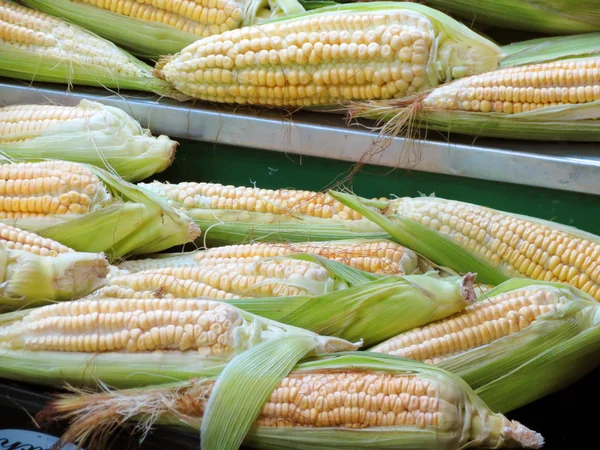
x=565, y=166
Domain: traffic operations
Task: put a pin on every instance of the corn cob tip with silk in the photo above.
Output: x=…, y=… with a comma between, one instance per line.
x=239, y=214
x=549, y=101
x=497, y=245
x=69, y=202
x=90, y=133
x=303, y=60
x=37, y=270
x=379, y=257
x=349, y=401
x=38, y=47
x=520, y=328
x=152, y=29
x=162, y=339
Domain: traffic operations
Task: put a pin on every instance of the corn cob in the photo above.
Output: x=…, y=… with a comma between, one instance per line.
x=152, y=28
x=37, y=47
x=90, y=133
x=549, y=101
x=495, y=343
x=234, y=215
x=36, y=270
x=67, y=201
x=261, y=278
x=349, y=401
x=497, y=245
x=543, y=17
x=380, y=257
x=162, y=338
x=382, y=50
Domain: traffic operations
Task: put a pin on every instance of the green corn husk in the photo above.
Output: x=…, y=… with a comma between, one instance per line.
x=226, y=227
x=466, y=421
x=126, y=220
x=28, y=279
x=21, y=360
x=109, y=138
x=556, y=17
x=36, y=62
x=444, y=249
x=429, y=243
x=150, y=39
x=356, y=305
x=536, y=51
x=553, y=351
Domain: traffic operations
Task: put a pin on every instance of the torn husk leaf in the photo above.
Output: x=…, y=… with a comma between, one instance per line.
x=28, y=279
x=162, y=339
x=454, y=418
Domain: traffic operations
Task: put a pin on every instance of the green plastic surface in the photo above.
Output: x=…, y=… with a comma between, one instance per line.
x=196, y=161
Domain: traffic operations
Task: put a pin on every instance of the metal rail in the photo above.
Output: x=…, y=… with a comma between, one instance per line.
x=565, y=166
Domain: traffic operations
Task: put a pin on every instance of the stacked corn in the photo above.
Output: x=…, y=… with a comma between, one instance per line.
x=331, y=56
x=152, y=29
x=90, y=133
x=236, y=214
x=495, y=244
x=550, y=101
x=37, y=47
x=69, y=202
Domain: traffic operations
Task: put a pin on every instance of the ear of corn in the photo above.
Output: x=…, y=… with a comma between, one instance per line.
x=162, y=339
x=303, y=60
x=151, y=29
x=547, y=49
x=236, y=215
x=37, y=47
x=359, y=305
x=494, y=244
x=375, y=256
x=523, y=340
x=558, y=17
x=35, y=270
x=346, y=401
x=88, y=209
x=550, y=101
x=90, y=133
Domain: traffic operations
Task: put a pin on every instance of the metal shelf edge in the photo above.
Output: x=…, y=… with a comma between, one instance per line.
x=569, y=167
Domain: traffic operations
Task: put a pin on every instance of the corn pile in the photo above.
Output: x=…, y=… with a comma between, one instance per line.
x=327, y=319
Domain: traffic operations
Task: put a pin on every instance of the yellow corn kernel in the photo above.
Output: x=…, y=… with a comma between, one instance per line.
x=17, y=239
x=24, y=28
x=522, y=88
x=281, y=201
x=37, y=118
x=534, y=250
x=320, y=59
x=48, y=188
x=200, y=17
x=382, y=257
x=479, y=324
x=134, y=325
